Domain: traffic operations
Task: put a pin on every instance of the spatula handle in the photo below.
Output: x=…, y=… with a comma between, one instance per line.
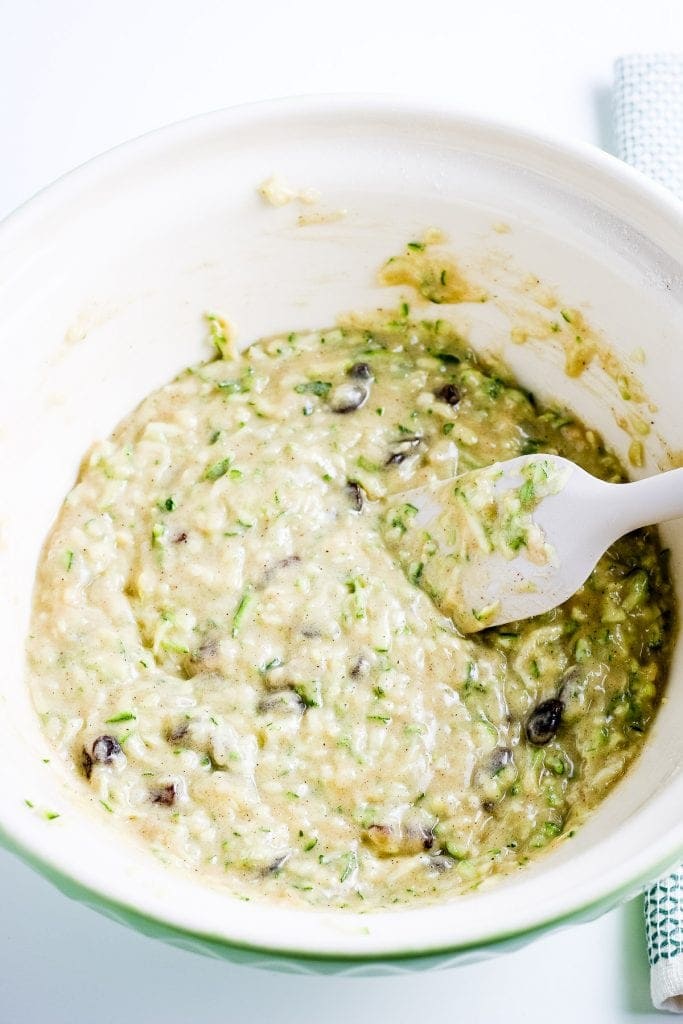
x=652, y=500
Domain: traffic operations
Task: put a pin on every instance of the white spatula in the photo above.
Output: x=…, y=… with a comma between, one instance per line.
x=518, y=538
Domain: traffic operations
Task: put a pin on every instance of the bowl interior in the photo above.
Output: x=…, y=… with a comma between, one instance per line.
x=104, y=280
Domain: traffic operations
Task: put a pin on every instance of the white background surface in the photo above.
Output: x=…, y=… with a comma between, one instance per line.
x=79, y=76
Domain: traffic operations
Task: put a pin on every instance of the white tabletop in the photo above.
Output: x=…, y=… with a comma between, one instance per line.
x=79, y=76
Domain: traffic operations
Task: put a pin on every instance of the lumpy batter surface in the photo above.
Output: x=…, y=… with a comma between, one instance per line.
x=230, y=659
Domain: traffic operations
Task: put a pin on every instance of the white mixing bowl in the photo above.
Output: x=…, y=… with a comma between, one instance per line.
x=125, y=254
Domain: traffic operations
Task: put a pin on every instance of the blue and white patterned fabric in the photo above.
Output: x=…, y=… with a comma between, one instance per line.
x=648, y=122
x=648, y=115
x=664, y=927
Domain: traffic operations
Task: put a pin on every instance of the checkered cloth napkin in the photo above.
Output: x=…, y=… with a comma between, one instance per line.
x=648, y=121
x=648, y=115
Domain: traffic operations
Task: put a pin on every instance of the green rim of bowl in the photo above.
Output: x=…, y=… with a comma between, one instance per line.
x=203, y=942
